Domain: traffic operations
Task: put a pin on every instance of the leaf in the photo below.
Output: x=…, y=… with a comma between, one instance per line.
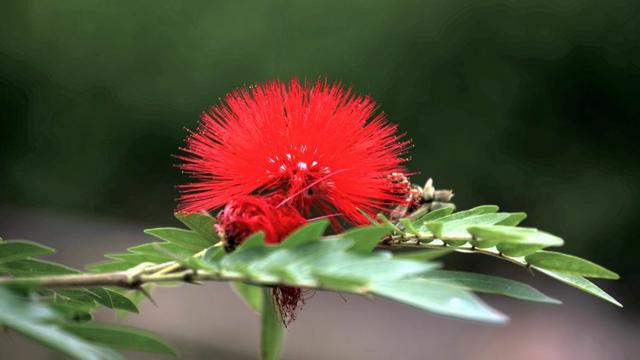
x=516, y=235
x=101, y=296
x=183, y=238
x=201, y=224
x=311, y=231
x=478, y=210
x=78, y=298
x=251, y=294
x=458, y=227
x=341, y=282
x=434, y=215
x=580, y=283
x=387, y=223
x=408, y=226
x=109, y=266
x=514, y=219
x=569, y=264
x=439, y=298
x=34, y=267
x=272, y=332
x=253, y=240
x=12, y=250
x=371, y=269
x=135, y=297
x=121, y=302
x=490, y=284
x=77, y=295
x=161, y=249
x=133, y=258
x=121, y=337
x=517, y=249
x=69, y=311
x=365, y=238
x=422, y=255
x=34, y=321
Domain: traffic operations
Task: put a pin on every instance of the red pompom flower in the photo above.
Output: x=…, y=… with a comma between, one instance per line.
x=316, y=147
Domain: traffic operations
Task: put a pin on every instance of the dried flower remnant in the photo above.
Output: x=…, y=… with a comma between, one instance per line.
x=246, y=215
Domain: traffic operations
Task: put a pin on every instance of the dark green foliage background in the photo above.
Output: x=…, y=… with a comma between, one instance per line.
x=532, y=105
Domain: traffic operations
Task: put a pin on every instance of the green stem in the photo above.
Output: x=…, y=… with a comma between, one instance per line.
x=429, y=241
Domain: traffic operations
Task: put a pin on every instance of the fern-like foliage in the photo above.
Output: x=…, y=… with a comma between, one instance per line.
x=393, y=260
x=61, y=318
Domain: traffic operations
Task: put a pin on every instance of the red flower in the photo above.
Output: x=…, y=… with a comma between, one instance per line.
x=316, y=147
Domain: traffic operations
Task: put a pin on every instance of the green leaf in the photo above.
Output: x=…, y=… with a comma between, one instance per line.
x=490, y=284
x=370, y=269
x=272, y=332
x=77, y=295
x=439, y=298
x=34, y=321
x=213, y=254
x=422, y=255
x=161, y=249
x=511, y=234
x=479, y=210
x=580, y=283
x=72, y=312
x=133, y=258
x=121, y=302
x=342, y=282
x=134, y=297
x=569, y=264
x=101, y=296
x=311, y=231
x=434, y=215
x=408, y=226
x=514, y=219
x=34, y=267
x=201, y=224
x=253, y=240
x=458, y=227
x=251, y=294
x=107, y=297
x=387, y=223
x=109, y=266
x=184, y=238
x=121, y=337
x=517, y=249
x=12, y=250
x=365, y=238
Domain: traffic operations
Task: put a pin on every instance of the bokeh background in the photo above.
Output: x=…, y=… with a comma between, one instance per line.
x=531, y=105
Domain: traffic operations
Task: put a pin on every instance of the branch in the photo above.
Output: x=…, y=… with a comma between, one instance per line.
x=172, y=271
x=134, y=280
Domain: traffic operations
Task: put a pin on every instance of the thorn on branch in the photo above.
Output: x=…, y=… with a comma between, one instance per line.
x=147, y=295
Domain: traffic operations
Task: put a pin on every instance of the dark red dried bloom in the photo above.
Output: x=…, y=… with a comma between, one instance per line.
x=288, y=300
x=316, y=146
x=246, y=215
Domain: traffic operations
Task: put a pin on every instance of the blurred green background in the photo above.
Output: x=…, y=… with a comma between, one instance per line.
x=532, y=105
